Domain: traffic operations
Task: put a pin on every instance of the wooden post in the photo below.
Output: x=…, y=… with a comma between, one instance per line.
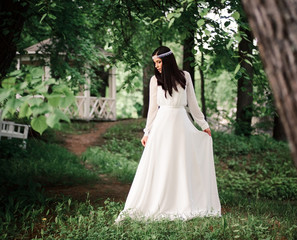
x=18, y=66
x=87, y=95
x=46, y=69
x=112, y=89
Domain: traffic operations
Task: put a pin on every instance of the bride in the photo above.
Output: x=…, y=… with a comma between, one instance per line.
x=175, y=178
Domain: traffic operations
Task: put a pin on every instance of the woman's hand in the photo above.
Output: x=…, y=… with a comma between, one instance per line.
x=144, y=140
x=207, y=130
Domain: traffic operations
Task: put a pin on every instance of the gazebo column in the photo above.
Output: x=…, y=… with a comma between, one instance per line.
x=112, y=90
x=18, y=66
x=87, y=95
x=47, y=70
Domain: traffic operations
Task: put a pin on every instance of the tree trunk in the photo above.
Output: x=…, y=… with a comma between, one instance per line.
x=147, y=74
x=188, y=56
x=274, y=24
x=245, y=87
x=12, y=22
x=202, y=86
x=278, y=129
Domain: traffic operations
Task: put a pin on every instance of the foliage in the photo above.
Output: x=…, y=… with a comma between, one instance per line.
x=257, y=166
x=35, y=101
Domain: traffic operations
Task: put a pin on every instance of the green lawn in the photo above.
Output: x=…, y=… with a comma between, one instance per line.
x=256, y=179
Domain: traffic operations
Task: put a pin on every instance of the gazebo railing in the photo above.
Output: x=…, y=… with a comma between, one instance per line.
x=93, y=108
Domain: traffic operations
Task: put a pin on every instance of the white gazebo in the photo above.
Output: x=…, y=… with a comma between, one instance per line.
x=88, y=107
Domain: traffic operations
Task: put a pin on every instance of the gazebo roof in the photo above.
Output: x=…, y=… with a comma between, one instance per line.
x=42, y=48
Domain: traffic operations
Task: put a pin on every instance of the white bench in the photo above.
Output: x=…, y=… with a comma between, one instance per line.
x=13, y=130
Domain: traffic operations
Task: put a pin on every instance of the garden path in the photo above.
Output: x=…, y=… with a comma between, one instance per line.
x=78, y=143
x=107, y=187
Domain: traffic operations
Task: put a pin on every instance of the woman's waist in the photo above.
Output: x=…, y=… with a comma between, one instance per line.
x=172, y=106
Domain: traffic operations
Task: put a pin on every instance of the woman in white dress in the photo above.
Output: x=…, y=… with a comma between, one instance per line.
x=175, y=178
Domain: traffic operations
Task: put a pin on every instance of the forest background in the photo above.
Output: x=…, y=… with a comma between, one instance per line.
x=211, y=39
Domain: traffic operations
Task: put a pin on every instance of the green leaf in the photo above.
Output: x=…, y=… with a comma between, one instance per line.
x=156, y=20
x=5, y=112
x=170, y=15
x=171, y=22
x=238, y=38
x=12, y=105
x=8, y=82
x=237, y=68
x=204, y=12
x=200, y=22
x=25, y=110
x=235, y=15
x=60, y=88
x=39, y=124
x=249, y=62
x=44, y=15
x=52, y=16
x=23, y=85
x=4, y=93
x=50, y=81
x=15, y=73
x=28, y=77
x=229, y=44
x=53, y=120
x=41, y=109
x=41, y=88
x=62, y=115
x=37, y=72
x=177, y=15
x=207, y=32
x=54, y=99
x=67, y=101
x=35, y=101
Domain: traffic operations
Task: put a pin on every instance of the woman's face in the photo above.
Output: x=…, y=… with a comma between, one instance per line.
x=158, y=63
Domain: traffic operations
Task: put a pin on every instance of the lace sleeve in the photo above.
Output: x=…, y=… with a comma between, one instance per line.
x=153, y=106
x=193, y=104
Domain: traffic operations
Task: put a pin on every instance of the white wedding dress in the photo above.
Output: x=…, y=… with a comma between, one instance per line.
x=175, y=178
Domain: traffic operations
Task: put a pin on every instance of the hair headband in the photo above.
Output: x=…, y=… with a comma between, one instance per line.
x=162, y=55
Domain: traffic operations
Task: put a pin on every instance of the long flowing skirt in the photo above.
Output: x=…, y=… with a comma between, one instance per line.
x=175, y=178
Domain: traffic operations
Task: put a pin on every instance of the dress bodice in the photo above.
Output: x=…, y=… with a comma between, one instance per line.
x=180, y=98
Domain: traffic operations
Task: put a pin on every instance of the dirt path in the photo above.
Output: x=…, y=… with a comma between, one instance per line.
x=97, y=192
x=78, y=143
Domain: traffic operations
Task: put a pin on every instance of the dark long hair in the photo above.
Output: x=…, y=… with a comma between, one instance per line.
x=170, y=76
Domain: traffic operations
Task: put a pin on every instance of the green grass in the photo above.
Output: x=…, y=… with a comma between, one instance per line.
x=24, y=173
x=256, y=181
x=77, y=127
x=120, y=155
x=45, y=163
x=69, y=219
